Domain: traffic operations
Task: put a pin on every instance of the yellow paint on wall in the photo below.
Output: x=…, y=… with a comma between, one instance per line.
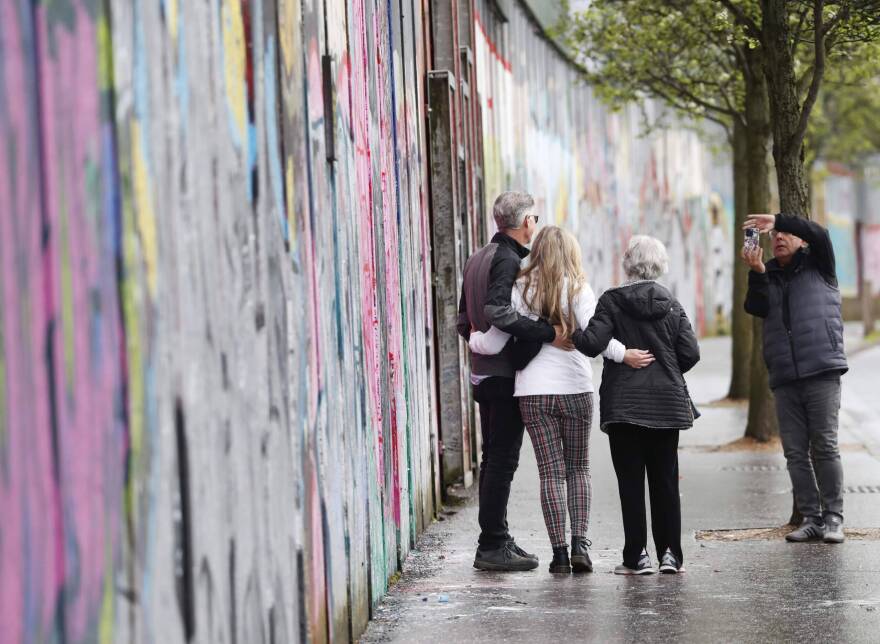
x=145, y=217
x=173, y=13
x=235, y=60
x=105, y=628
x=105, y=54
x=561, y=215
x=288, y=12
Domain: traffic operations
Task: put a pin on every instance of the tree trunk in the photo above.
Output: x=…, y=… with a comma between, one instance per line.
x=762, y=424
x=785, y=109
x=794, y=197
x=741, y=322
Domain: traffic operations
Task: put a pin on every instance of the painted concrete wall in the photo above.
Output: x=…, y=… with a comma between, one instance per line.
x=216, y=400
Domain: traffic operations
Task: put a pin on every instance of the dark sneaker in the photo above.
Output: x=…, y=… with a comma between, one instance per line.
x=669, y=564
x=644, y=566
x=809, y=530
x=580, y=555
x=520, y=551
x=560, y=563
x=503, y=559
x=833, y=529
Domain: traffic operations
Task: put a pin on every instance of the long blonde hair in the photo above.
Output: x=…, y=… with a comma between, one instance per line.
x=555, y=256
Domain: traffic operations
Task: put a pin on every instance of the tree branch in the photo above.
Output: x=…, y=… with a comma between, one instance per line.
x=818, y=72
x=796, y=34
x=743, y=19
x=666, y=81
x=678, y=105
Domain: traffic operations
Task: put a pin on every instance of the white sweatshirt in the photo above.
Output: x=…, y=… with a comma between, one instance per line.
x=552, y=371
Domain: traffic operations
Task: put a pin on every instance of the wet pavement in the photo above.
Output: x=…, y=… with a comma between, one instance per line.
x=753, y=591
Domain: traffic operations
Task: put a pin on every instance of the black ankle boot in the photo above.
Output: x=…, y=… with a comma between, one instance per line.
x=580, y=555
x=560, y=562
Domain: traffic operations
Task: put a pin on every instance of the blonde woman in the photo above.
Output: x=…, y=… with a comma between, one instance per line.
x=555, y=388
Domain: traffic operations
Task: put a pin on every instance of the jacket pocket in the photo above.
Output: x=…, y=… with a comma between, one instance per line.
x=833, y=335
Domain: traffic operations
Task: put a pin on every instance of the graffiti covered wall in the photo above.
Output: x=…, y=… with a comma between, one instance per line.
x=594, y=173
x=216, y=402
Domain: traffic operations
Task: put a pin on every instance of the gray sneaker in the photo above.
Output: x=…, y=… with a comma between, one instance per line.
x=504, y=559
x=833, y=529
x=643, y=567
x=809, y=530
x=669, y=564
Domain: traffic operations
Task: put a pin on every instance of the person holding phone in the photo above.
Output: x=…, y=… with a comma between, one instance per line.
x=797, y=295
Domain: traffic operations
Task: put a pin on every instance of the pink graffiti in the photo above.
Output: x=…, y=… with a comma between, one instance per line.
x=388, y=170
x=62, y=339
x=364, y=182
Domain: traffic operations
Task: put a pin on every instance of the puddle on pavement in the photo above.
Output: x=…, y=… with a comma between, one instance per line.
x=773, y=534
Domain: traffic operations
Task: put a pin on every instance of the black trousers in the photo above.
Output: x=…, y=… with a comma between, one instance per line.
x=502, y=431
x=636, y=450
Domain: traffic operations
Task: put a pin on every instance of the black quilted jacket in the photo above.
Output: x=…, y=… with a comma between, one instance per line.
x=647, y=316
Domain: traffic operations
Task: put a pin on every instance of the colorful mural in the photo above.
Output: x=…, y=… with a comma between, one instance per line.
x=216, y=407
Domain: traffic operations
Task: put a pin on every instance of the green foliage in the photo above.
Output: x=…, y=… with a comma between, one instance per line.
x=682, y=52
x=844, y=125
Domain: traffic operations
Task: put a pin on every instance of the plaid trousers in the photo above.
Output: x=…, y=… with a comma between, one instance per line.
x=559, y=426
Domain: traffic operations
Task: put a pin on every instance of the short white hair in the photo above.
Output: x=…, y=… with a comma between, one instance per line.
x=511, y=208
x=645, y=258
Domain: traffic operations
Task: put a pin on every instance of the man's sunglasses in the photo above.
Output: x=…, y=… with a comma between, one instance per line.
x=535, y=217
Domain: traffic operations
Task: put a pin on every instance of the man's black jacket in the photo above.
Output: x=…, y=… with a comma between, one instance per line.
x=489, y=276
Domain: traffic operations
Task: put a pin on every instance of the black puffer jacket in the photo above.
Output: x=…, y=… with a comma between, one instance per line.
x=644, y=315
x=800, y=304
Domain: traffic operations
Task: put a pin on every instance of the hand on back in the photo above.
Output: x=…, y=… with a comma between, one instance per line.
x=561, y=341
x=637, y=358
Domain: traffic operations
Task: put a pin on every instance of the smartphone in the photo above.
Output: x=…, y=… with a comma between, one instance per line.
x=751, y=240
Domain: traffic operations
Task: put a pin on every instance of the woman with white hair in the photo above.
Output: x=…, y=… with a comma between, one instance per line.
x=554, y=387
x=643, y=411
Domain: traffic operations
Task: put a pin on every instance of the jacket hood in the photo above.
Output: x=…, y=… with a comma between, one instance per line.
x=644, y=300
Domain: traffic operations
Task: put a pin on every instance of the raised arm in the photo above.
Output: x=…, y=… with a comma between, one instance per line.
x=499, y=311
x=758, y=295
x=821, y=248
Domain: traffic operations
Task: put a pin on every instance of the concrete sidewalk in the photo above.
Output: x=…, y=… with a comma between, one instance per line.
x=755, y=591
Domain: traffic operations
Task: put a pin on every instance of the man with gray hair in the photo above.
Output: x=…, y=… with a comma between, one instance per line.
x=489, y=275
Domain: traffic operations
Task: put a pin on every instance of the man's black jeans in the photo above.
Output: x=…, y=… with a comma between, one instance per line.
x=634, y=451
x=502, y=431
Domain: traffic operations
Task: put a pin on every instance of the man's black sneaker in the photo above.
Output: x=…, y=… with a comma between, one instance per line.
x=643, y=567
x=809, y=530
x=833, y=529
x=580, y=555
x=520, y=551
x=669, y=564
x=504, y=559
x=560, y=563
